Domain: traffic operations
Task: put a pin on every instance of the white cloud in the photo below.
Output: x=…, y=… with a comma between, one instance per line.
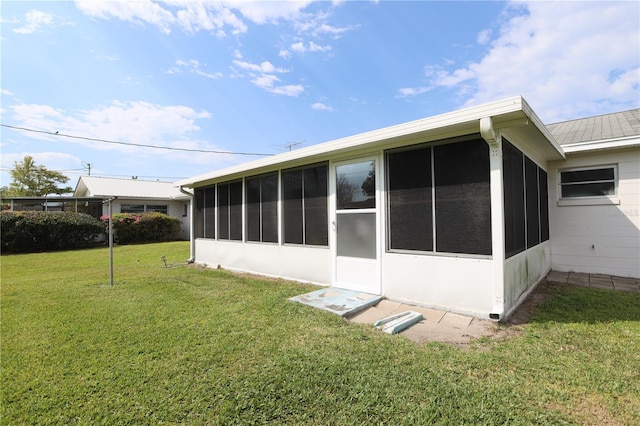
x=484, y=36
x=138, y=12
x=262, y=12
x=193, y=66
x=34, y=21
x=194, y=16
x=263, y=76
x=132, y=122
x=319, y=106
x=412, y=91
x=301, y=47
x=568, y=59
x=208, y=16
x=6, y=92
x=268, y=83
x=317, y=25
x=264, y=67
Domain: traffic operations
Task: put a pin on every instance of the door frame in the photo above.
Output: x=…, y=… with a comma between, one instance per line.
x=340, y=261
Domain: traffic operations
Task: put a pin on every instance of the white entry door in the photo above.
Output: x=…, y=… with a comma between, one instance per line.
x=355, y=223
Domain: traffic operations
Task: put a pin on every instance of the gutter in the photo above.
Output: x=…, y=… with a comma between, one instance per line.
x=192, y=225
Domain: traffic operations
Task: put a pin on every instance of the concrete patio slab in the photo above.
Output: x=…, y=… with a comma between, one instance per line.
x=558, y=277
x=436, y=325
x=383, y=309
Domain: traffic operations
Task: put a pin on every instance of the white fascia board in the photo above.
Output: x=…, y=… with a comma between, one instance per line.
x=617, y=143
x=543, y=129
x=504, y=111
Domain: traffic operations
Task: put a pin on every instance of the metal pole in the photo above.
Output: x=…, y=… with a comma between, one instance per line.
x=110, y=244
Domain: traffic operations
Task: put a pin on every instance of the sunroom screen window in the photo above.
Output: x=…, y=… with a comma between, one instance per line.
x=199, y=212
x=409, y=200
x=463, y=197
x=205, y=212
x=305, y=207
x=456, y=187
x=262, y=210
x=532, y=200
x=514, y=207
x=230, y=211
x=209, y=212
x=526, y=201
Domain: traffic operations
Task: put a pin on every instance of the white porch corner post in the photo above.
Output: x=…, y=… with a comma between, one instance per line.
x=111, y=241
x=494, y=141
x=192, y=224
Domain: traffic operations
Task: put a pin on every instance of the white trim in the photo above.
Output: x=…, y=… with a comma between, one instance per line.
x=589, y=201
x=597, y=145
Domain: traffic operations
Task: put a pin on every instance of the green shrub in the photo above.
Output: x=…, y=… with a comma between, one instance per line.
x=29, y=231
x=143, y=227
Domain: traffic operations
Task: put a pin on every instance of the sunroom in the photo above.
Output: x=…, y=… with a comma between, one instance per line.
x=449, y=212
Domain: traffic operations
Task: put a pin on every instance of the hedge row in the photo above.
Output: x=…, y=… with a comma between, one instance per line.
x=142, y=228
x=32, y=231
x=29, y=231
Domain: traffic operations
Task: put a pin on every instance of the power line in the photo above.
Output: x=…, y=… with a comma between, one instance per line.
x=79, y=172
x=131, y=143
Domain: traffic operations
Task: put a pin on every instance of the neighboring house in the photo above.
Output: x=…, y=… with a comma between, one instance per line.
x=137, y=196
x=595, y=195
x=458, y=211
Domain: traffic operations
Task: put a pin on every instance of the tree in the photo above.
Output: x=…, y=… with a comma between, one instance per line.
x=31, y=180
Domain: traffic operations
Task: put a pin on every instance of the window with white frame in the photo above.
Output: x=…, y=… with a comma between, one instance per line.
x=588, y=182
x=144, y=208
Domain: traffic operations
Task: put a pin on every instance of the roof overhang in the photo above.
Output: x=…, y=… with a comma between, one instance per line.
x=602, y=145
x=507, y=113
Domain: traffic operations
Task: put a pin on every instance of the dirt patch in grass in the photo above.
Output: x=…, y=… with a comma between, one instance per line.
x=543, y=292
x=514, y=324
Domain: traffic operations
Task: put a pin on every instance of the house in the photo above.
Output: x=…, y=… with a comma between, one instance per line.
x=595, y=194
x=450, y=211
x=136, y=196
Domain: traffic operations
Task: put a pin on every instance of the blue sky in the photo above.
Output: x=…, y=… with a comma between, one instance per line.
x=258, y=77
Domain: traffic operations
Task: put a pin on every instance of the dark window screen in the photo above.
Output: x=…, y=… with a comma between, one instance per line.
x=315, y=206
x=269, y=210
x=235, y=211
x=410, y=200
x=199, y=212
x=253, y=209
x=544, y=205
x=532, y=199
x=223, y=211
x=463, y=197
x=514, y=212
x=305, y=206
x=209, y=212
x=292, y=206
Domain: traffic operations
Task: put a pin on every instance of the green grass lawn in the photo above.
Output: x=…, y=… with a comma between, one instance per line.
x=183, y=345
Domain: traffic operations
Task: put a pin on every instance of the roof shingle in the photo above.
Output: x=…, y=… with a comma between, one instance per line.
x=602, y=127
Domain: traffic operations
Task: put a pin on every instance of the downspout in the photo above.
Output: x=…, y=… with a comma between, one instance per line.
x=494, y=141
x=192, y=226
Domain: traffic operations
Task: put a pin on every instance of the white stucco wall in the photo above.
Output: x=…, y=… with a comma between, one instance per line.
x=522, y=272
x=598, y=238
x=458, y=284
x=298, y=263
